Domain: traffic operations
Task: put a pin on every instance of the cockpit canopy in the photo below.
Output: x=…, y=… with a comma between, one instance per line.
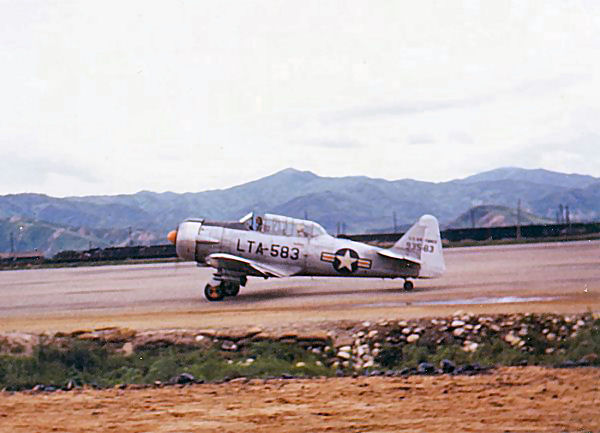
x=282, y=225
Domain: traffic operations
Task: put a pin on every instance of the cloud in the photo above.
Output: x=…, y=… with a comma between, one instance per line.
x=18, y=173
x=406, y=108
x=334, y=144
x=420, y=139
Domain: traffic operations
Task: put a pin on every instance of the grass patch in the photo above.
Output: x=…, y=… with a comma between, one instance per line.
x=92, y=363
x=495, y=351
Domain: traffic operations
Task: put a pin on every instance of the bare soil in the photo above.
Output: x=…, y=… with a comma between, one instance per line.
x=508, y=399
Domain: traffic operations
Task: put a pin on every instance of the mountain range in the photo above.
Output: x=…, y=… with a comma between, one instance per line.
x=356, y=204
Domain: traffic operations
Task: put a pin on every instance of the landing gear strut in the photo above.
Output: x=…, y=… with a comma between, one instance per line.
x=408, y=285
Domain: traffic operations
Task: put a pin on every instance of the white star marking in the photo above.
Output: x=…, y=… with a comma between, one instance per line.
x=346, y=261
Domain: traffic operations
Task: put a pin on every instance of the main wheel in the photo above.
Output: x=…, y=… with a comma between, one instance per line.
x=213, y=293
x=231, y=289
x=408, y=286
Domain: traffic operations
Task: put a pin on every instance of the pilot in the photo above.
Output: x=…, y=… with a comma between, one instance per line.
x=259, y=223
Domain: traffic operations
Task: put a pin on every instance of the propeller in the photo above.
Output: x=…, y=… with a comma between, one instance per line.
x=172, y=237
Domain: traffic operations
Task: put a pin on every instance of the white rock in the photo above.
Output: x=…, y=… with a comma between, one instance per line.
x=402, y=323
x=470, y=346
x=468, y=327
x=368, y=364
x=407, y=331
x=412, y=338
x=523, y=332
x=458, y=332
x=343, y=355
x=580, y=323
x=551, y=336
x=376, y=352
x=199, y=337
x=372, y=333
x=366, y=324
x=319, y=364
x=345, y=349
x=345, y=364
x=512, y=339
x=457, y=323
x=300, y=364
x=361, y=350
x=127, y=348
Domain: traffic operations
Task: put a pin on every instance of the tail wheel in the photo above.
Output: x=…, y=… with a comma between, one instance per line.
x=213, y=293
x=408, y=285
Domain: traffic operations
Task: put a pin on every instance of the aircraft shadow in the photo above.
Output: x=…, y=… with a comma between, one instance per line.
x=265, y=295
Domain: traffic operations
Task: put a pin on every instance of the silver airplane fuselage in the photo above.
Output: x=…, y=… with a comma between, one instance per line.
x=284, y=247
x=322, y=255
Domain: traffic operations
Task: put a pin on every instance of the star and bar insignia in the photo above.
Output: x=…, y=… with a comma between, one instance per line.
x=345, y=260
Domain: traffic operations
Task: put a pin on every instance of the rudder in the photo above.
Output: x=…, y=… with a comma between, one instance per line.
x=423, y=242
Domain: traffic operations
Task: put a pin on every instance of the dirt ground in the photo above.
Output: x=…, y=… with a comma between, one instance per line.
x=528, y=399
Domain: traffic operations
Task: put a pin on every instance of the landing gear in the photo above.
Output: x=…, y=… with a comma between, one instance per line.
x=231, y=289
x=408, y=285
x=216, y=292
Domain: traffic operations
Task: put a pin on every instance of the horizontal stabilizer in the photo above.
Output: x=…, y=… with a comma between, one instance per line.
x=398, y=256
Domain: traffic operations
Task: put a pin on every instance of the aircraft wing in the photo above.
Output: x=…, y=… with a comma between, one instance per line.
x=246, y=266
x=398, y=256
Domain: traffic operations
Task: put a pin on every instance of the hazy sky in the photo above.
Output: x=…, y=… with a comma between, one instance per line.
x=114, y=97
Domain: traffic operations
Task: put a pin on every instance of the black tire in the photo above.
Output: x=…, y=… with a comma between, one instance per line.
x=213, y=293
x=231, y=289
x=408, y=285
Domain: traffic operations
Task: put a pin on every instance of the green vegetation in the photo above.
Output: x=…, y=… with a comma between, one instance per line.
x=546, y=340
x=92, y=363
x=495, y=351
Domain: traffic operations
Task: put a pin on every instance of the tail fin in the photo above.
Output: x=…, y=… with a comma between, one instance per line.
x=423, y=242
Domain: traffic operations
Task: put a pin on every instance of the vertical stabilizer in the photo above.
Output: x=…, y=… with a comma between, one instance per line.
x=423, y=242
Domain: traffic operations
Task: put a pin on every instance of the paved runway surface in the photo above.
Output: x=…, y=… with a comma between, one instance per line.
x=554, y=277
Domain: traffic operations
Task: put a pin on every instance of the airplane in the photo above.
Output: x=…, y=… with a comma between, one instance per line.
x=276, y=246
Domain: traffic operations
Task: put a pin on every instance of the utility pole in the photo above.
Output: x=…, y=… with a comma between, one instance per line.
x=519, y=219
x=568, y=219
x=12, y=242
x=472, y=213
x=130, y=240
x=561, y=213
